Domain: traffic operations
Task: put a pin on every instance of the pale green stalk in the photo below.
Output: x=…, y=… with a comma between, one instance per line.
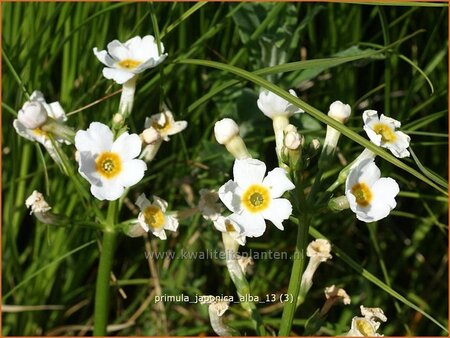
x=241, y=283
x=101, y=309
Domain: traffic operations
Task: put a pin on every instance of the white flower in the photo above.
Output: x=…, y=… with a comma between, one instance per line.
x=33, y=115
x=109, y=166
x=273, y=105
x=165, y=124
x=37, y=203
x=124, y=60
x=362, y=327
x=225, y=130
x=253, y=198
x=382, y=132
x=318, y=251
x=339, y=111
x=153, y=216
x=226, y=225
x=368, y=324
x=370, y=197
x=279, y=110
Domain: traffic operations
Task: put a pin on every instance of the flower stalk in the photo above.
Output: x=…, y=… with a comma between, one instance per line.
x=127, y=97
x=101, y=308
x=240, y=281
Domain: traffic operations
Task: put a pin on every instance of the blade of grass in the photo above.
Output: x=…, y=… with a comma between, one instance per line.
x=68, y=254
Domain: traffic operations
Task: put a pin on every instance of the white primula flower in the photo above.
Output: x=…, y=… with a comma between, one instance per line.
x=279, y=110
x=33, y=115
x=225, y=224
x=273, y=105
x=370, y=197
x=165, y=124
x=153, y=216
x=109, y=166
x=124, y=60
x=253, y=198
x=382, y=132
x=367, y=325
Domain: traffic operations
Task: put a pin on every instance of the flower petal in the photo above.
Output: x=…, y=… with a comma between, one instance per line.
x=160, y=203
x=177, y=127
x=96, y=139
x=230, y=195
x=384, y=191
x=253, y=224
x=104, y=57
x=369, y=172
x=118, y=51
x=118, y=75
x=111, y=190
x=248, y=171
x=132, y=172
x=370, y=117
x=171, y=223
x=279, y=210
x=127, y=146
x=87, y=168
x=373, y=136
x=278, y=182
x=161, y=234
x=142, y=202
x=393, y=123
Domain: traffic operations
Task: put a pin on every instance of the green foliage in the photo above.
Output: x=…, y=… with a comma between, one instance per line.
x=387, y=58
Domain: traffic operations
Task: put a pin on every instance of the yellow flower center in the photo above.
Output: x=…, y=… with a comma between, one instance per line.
x=154, y=217
x=162, y=127
x=40, y=132
x=129, y=64
x=386, y=132
x=364, y=327
x=229, y=227
x=256, y=198
x=362, y=193
x=108, y=164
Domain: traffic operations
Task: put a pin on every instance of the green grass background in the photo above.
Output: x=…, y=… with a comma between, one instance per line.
x=49, y=47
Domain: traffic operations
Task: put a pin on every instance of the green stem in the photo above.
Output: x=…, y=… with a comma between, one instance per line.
x=104, y=271
x=296, y=276
x=299, y=256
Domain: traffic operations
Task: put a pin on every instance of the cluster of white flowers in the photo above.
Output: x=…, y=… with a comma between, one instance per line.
x=111, y=163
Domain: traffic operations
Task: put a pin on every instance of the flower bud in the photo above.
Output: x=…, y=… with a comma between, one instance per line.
x=32, y=115
x=150, y=135
x=225, y=130
x=339, y=111
x=134, y=229
x=292, y=139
